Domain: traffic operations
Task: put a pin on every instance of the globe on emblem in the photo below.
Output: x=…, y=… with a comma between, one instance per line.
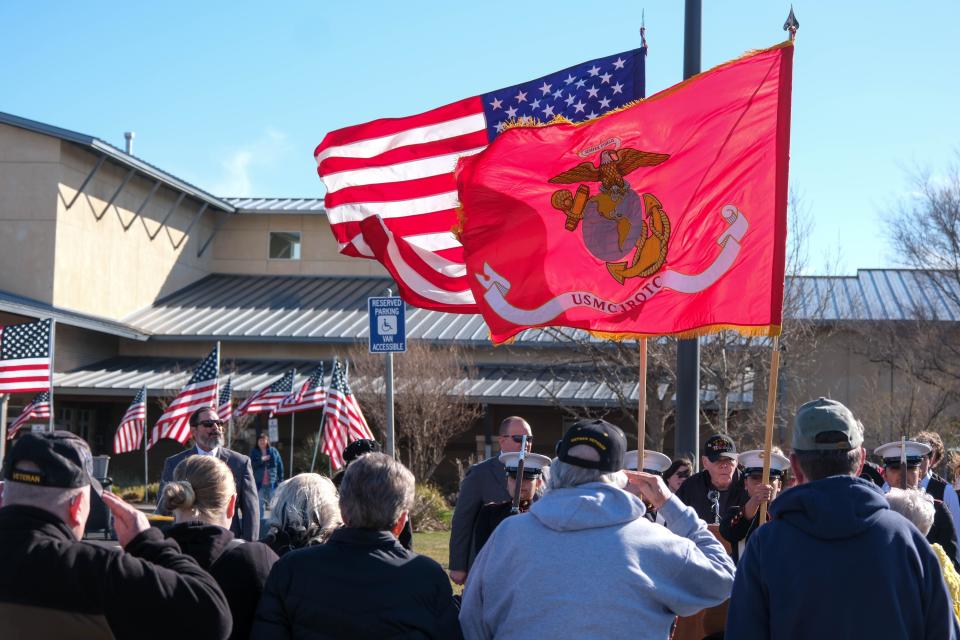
x=611, y=228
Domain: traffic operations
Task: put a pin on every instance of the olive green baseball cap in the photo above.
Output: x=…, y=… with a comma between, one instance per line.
x=821, y=416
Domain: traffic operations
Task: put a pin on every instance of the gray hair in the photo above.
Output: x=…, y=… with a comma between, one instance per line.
x=375, y=491
x=914, y=505
x=306, y=503
x=564, y=475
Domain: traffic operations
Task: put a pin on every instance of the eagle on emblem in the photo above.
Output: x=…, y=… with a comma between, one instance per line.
x=614, y=165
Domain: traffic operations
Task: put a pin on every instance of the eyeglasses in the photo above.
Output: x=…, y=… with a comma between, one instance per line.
x=518, y=439
x=210, y=424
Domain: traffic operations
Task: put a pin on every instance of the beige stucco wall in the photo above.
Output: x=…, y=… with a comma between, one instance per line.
x=110, y=263
x=242, y=246
x=29, y=168
x=75, y=347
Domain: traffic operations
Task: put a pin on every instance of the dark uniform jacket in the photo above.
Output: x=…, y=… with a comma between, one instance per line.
x=693, y=492
x=54, y=586
x=736, y=528
x=488, y=518
x=359, y=584
x=240, y=568
x=944, y=533
x=246, y=520
x=485, y=482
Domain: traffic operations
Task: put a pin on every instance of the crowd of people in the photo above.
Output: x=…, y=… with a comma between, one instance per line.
x=595, y=542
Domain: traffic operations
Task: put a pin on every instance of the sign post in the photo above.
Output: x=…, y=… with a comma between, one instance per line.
x=388, y=335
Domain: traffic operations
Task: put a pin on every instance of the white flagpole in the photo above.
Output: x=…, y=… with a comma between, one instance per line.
x=4, y=403
x=53, y=333
x=146, y=463
x=292, y=426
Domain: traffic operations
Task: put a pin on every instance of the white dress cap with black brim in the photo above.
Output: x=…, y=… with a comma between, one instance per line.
x=752, y=462
x=653, y=461
x=890, y=452
x=533, y=463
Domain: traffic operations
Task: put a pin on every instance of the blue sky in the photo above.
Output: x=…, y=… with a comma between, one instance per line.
x=235, y=96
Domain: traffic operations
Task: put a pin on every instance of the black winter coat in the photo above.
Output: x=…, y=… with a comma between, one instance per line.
x=693, y=492
x=54, y=586
x=240, y=568
x=360, y=584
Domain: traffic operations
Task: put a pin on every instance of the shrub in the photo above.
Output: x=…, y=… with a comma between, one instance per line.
x=134, y=493
x=430, y=512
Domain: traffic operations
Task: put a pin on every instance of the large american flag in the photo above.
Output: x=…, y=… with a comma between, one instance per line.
x=344, y=422
x=129, y=436
x=310, y=395
x=270, y=397
x=25, y=357
x=201, y=391
x=38, y=408
x=225, y=403
x=391, y=193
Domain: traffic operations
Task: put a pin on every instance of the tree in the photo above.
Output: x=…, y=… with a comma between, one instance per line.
x=431, y=406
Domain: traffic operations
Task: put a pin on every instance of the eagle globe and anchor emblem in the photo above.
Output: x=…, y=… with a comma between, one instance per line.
x=617, y=221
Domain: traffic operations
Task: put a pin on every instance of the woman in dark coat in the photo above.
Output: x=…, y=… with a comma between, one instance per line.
x=305, y=511
x=202, y=498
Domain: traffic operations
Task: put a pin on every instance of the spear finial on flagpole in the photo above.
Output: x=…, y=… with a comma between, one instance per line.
x=792, y=24
x=643, y=28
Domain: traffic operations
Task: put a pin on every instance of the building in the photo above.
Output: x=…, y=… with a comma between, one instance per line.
x=143, y=272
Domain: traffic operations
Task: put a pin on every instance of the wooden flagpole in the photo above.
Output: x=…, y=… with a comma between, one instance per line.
x=771, y=411
x=642, y=406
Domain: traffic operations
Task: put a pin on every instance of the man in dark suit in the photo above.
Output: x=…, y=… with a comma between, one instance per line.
x=485, y=482
x=206, y=427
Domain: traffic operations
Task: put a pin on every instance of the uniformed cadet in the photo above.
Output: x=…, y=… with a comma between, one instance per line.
x=943, y=531
x=653, y=462
x=742, y=520
x=492, y=514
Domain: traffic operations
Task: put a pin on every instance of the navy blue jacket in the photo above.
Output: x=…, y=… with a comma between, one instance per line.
x=802, y=575
x=274, y=464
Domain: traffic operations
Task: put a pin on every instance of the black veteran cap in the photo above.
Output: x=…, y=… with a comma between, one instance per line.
x=719, y=446
x=59, y=459
x=360, y=447
x=601, y=436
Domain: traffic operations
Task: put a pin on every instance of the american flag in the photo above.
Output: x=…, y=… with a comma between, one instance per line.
x=38, y=408
x=344, y=422
x=268, y=398
x=225, y=403
x=201, y=391
x=25, y=357
x=310, y=395
x=129, y=436
x=391, y=193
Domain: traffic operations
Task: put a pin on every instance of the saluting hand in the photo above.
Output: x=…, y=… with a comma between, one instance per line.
x=128, y=521
x=647, y=486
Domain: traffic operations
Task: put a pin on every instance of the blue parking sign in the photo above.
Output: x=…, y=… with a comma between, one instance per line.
x=387, y=324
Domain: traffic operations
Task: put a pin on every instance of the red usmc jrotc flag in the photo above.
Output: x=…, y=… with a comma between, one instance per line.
x=38, y=408
x=25, y=357
x=129, y=436
x=665, y=218
x=201, y=391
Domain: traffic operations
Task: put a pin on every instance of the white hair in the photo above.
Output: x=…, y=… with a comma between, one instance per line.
x=914, y=505
x=306, y=503
x=564, y=475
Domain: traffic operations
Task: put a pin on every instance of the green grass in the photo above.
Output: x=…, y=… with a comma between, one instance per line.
x=435, y=544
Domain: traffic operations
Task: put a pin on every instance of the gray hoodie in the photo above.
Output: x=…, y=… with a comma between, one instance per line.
x=584, y=563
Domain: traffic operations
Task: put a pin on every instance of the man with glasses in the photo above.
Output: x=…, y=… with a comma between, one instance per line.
x=206, y=427
x=719, y=486
x=484, y=482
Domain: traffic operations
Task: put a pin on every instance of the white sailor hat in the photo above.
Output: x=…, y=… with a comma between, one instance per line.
x=653, y=461
x=752, y=463
x=890, y=452
x=533, y=463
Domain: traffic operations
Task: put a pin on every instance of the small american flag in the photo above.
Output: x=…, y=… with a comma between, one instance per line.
x=129, y=436
x=38, y=408
x=391, y=193
x=268, y=398
x=225, y=403
x=344, y=420
x=25, y=357
x=310, y=395
x=201, y=391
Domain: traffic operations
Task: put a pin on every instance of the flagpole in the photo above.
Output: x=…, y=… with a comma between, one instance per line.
x=146, y=463
x=292, y=427
x=53, y=333
x=771, y=412
x=642, y=406
x=4, y=404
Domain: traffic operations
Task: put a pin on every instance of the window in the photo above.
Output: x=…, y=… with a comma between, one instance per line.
x=284, y=245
